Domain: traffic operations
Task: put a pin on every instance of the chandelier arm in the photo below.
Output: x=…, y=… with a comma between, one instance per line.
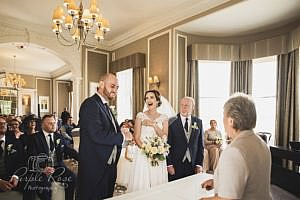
x=65, y=44
x=65, y=39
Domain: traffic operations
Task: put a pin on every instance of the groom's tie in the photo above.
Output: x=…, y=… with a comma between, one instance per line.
x=113, y=155
x=110, y=115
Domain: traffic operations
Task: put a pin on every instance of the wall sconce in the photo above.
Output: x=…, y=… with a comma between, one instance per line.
x=154, y=81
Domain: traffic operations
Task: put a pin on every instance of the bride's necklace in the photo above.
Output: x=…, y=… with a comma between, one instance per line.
x=152, y=115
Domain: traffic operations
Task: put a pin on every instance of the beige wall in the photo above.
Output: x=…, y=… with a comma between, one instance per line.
x=139, y=46
x=95, y=66
x=159, y=61
x=181, y=68
x=44, y=89
x=30, y=81
x=63, y=89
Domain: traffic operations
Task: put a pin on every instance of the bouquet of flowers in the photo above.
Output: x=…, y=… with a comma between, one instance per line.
x=156, y=149
x=219, y=140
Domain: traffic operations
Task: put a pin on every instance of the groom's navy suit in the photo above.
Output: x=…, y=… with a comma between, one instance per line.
x=98, y=137
x=180, y=143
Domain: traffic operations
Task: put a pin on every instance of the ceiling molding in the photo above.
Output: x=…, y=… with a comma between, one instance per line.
x=60, y=71
x=158, y=24
x=185, y=11
x=26, y=72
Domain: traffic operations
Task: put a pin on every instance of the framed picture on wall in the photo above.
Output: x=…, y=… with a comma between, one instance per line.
x=44, y=103
x=93, y=88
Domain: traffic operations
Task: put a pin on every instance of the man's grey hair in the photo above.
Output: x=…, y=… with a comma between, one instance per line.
x=191, y=99
x=241, y=108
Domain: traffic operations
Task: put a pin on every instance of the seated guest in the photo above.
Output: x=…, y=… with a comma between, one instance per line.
x=66, y=131
x=47, y=148
x=213, y=142
x=12, y=160
x=244, y=168
x=13, y=125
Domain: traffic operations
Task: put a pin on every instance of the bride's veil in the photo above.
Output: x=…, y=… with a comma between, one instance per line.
x=164, y=108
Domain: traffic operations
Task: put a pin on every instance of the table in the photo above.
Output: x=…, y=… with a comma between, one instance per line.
x=188, y=188
x=285, y=177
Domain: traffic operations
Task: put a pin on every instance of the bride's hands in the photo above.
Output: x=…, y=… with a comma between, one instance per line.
x=148, y=122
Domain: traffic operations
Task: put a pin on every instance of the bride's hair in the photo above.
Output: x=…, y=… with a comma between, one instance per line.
x=156, y=94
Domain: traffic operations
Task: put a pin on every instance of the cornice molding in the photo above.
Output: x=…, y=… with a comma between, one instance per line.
x=60, y=71
x=185, y=11
x=157, y=24
x=26, y=72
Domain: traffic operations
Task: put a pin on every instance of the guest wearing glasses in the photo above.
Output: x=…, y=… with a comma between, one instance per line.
x=244, y=168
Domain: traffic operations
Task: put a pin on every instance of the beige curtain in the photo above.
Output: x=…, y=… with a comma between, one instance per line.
x=138, y=90
x=192, y=86
x=287, y=99
x=241, y=77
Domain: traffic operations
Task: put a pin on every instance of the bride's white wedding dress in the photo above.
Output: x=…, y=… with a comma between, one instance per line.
x=145, y=176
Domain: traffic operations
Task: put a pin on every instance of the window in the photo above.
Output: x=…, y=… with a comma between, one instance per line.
x=124, y=96
x=214, y=83
x=264, y=94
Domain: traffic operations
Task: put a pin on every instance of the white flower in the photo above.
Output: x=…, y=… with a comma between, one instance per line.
x=194, y=126
x=9, y=147
x=10, y=150
x=156, y=149
x=57, y=141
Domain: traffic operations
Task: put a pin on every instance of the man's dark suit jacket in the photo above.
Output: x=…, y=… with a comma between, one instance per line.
x=14, y=157
x=38, y=145
x=97, y=140
x=179, y=142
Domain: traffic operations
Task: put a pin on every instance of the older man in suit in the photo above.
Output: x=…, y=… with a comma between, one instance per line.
x=186, y=140
x=100, y=142
x=46, y=149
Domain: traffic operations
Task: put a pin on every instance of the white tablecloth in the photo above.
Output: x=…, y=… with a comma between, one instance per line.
x=188, y=188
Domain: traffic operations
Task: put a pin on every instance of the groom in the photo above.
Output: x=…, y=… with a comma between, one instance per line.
x=185, y=136
x=101, y=140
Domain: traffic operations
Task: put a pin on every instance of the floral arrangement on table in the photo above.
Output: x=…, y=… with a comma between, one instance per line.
x=156, y=149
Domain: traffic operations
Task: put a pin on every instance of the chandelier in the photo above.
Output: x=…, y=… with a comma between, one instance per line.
x=74, y=27
x=14, y=80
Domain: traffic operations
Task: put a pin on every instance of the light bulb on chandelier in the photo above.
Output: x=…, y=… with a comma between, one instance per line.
x=78, y=23
x=14, y=80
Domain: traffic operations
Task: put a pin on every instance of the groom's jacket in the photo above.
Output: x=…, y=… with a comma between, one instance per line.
x=179, y=142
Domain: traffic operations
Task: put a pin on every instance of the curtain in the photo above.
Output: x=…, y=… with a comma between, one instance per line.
x=138, y=90
x=241, y=77
x=192, y=86
x=287, y=99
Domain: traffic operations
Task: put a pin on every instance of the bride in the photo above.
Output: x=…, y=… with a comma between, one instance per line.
x=147, y=124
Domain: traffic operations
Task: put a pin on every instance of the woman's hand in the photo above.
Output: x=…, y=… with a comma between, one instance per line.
x=148, y=122
x=208, y=185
